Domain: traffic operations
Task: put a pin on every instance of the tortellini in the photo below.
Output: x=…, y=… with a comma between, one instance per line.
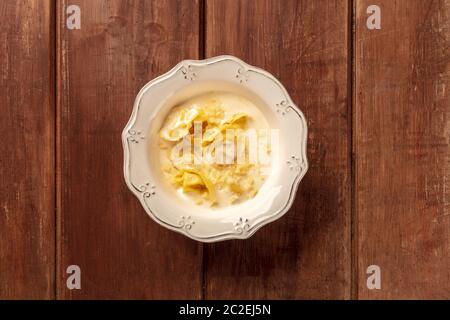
x=213, y=184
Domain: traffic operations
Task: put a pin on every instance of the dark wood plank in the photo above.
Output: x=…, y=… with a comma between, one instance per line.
x=306, y=254
x=103, y=228
x=27, y=216
x=402, y=131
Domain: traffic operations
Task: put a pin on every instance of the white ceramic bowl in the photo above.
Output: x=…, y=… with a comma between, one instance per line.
x=190, y=78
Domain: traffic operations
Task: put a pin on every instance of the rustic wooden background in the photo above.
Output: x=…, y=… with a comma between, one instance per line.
x=378, y=111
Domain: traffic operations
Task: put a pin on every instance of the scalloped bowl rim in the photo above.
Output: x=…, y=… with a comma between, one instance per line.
x=295, y=182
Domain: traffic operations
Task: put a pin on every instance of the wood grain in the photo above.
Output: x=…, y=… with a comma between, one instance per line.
x=402, y=148
x=397, y=127
x=27, y=241
x=305, y=254
x=103, y=228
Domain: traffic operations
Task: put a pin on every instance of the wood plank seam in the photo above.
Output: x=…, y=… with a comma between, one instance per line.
x=58, y=51
x=351, y=96
x=54, y=36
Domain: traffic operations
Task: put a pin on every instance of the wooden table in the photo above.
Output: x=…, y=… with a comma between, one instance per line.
x=377, y=192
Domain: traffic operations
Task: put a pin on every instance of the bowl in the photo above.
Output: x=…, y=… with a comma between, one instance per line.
x=191, y=78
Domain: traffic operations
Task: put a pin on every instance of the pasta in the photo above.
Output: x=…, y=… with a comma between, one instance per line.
x=221, y=182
